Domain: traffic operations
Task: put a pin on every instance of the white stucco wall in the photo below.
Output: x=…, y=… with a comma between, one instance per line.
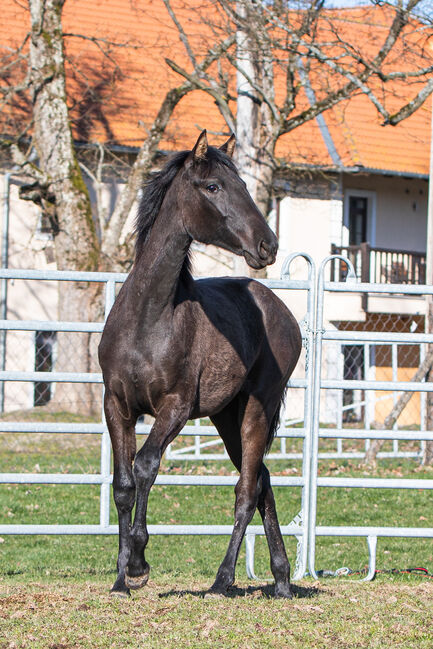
x=401, y=210
x=26, y=299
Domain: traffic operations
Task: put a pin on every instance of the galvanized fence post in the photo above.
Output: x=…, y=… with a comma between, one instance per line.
x=308, y=326
x=315, y=423
x=104, y=511
x=370, y=533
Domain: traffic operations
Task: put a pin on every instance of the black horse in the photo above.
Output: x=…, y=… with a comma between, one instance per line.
x=179, y=349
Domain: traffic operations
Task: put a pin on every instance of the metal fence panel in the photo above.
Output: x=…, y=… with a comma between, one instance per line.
x=343, y=395
x=12, y=375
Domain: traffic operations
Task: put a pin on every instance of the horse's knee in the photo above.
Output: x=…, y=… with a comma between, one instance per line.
x=124, y=493
x=139, y=535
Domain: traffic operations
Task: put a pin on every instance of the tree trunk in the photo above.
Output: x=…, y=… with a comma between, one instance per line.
x=65, y=195
x=255, y=128
x=77, y=352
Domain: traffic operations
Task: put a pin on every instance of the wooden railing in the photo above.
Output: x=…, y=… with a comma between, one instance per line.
x=380, y=265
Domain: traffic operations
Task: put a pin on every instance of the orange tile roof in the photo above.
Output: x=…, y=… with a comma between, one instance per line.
x=116, y=102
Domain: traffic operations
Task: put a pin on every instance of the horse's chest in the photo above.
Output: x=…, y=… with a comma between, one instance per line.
x=158, y=371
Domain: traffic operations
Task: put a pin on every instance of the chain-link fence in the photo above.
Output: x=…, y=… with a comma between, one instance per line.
x=367, y=409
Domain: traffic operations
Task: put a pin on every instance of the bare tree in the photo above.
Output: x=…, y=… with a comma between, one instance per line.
x=292, y=60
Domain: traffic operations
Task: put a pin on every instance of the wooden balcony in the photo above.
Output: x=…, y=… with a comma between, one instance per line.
x=380, y=265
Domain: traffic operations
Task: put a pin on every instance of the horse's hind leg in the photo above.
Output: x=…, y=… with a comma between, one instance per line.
x=228, y=425
x=279, y=563
x=246, y=447
x=122, y=434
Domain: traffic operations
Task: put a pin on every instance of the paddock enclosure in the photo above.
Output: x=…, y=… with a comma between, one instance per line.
x=356, y=361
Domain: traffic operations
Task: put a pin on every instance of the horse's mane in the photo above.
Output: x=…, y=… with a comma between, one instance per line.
x=156, y=186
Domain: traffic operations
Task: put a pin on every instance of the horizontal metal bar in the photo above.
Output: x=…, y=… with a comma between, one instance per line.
x=349, y=455
x=357, y=454
x=403, y=532
x=355, y=433
x=379, y=337
x=216, y=480
x=327, y=384
x=210, y=530
x=297, y=383
x=85, y=377
x=53, y=478
x=61, y=275
x=202, y=530
x=375, y=483
x=364, y=287
x=394, y=386
x=162, y=479
x=78, y=276
x=50, y=325
x=293, y=284
x=49, y=427
x=52, y=377
x=140, y=429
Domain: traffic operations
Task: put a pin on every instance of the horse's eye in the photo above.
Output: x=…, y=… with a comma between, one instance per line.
x=213, y=188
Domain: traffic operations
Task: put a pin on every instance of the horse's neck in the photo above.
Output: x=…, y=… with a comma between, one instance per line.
x=157, y=269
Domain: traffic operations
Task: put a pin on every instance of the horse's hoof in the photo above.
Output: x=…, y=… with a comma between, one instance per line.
x=120, y=594
x=217, y=590
x=213, y=594
x=283, y=591
x=134, y=583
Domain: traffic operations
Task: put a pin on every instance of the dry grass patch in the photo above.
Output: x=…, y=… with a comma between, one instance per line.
x=338, y=615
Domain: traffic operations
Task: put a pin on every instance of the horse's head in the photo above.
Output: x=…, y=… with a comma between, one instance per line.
x=217, y=208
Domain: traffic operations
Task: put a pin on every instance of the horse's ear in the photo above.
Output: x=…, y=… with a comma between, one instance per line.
x=200, y=148
x=229, y=146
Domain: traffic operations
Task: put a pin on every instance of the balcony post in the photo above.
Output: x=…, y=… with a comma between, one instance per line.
x=365, y=270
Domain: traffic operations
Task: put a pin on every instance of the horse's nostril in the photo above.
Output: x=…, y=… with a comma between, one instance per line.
x=267, y=250
x=264, y=250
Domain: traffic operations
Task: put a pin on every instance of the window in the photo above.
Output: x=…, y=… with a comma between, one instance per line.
x=44, y=230
x=44, y=362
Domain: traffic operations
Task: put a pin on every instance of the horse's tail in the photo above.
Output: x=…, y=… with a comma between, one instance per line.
x=275, y=423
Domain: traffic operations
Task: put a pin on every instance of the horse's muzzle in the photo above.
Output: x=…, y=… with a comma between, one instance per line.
x=265, y=255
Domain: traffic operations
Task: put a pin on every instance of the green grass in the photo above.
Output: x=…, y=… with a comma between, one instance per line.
x=53, y=589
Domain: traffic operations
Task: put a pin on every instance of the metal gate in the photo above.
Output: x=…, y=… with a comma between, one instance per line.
x=315, y=335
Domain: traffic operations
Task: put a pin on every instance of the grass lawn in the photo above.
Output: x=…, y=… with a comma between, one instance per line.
x=54, y=589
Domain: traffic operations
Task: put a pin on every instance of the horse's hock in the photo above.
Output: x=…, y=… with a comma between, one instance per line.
x=340, y=402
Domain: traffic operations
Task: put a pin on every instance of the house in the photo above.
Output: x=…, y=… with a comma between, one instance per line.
x=353, y=186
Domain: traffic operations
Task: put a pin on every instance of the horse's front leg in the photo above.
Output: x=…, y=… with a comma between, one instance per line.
x=122, y=434
x=168, y=423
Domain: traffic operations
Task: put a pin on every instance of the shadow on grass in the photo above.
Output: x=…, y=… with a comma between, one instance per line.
x=299, y=592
